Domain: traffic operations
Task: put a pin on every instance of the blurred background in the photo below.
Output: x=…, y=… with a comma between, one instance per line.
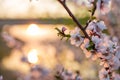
x=30, y=47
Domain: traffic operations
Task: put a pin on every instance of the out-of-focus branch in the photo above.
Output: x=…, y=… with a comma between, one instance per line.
x=63, y=2
x=92, y=14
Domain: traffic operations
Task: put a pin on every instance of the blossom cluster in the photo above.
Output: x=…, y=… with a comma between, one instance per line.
x=67, y=75
x=98, y=44
x=11, y=41
x=103, y=47
x=103, y=6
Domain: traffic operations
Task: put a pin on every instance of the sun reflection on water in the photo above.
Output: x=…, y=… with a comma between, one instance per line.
x=32, y=56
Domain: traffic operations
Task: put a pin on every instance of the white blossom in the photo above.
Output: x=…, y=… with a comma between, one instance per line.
x=76, y=38
x=118, y=53
x=115, y=39
x=96, y=39
x=91, y=26
x=95, y=28
x=116, y=62
x=101, y=25
x=101, y=49
x=116, y=76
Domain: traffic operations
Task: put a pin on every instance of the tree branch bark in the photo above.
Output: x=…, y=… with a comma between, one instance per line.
x=74, y=18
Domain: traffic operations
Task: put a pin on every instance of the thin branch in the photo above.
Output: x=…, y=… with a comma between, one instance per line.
x=74, y=18
x=87, y=24
x=92, y=14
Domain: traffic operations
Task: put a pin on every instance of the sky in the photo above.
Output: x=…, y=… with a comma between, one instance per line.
x=25, y=8
x=31, y=9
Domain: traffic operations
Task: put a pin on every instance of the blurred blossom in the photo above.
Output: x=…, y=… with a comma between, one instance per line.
x=96, y=39
x=103, y=6
x=67, y=75
x=9, y=39
x=115, y=39
x=1, y=77
x=24, y=59
x=91, y=1
x=83, y=2
x=116, y=76
x=118, y=53
x=116, y=62
x=103, y=74
x=36, y=73
x=101, y=25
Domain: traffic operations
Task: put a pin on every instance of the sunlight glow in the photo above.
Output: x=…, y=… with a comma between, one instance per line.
x=34, y=0
x=33, y=30
x=32, y=56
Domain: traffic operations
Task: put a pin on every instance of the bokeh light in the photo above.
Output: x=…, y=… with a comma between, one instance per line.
x=32, y=56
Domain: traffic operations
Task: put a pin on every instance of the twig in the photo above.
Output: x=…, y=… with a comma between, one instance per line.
x=63, y=2
x=92, y=14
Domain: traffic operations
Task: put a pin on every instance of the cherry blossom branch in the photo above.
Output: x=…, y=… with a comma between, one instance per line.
x=63, y=2
x=97, y=45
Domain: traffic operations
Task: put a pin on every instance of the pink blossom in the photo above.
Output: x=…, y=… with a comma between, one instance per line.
x=103, y=6
x=103, y=74
x=116, y=62
x=116, y=76
x=9, y=39
x=95, y=28
x=117, y=54
x=96, y=39
x=64, y=29
x=88, y=54
x=86, y=42
x=1, y=77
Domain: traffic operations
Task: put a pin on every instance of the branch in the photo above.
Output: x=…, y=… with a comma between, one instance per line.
x=92, y=14
x=63, y=2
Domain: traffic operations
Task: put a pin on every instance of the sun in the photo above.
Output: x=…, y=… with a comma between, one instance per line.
x=33, y=30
